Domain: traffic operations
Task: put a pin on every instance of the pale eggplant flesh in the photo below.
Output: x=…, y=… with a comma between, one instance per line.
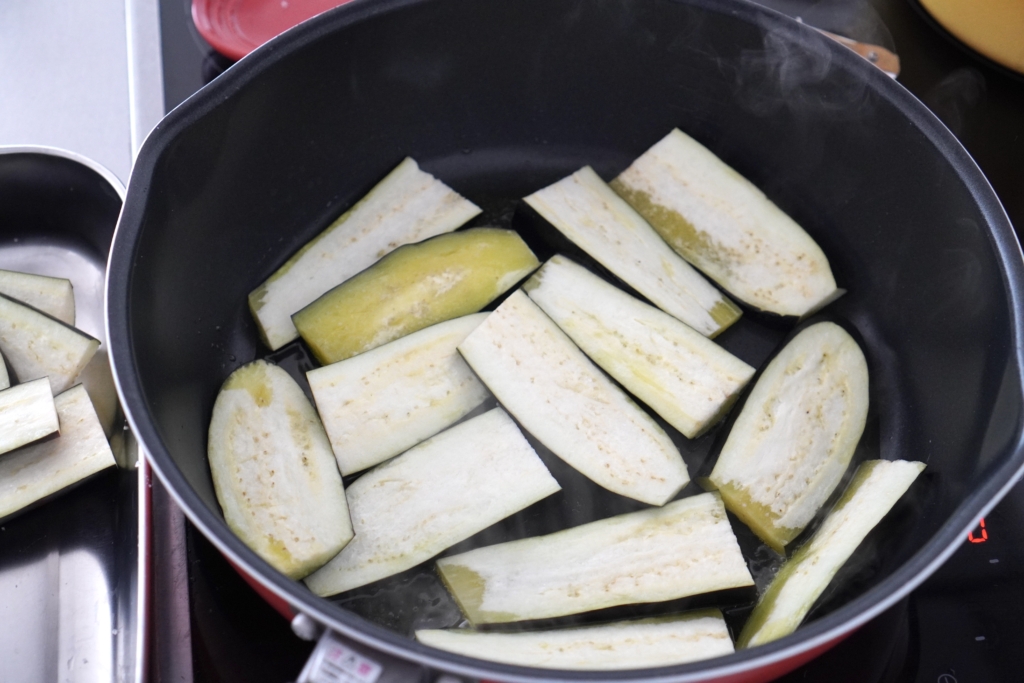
x=99, y=382
x=795, y=435
x=53, y=296
x=560, y=397
x=413, y=287
x=37, y=345
x=407, y=206
x=875, y=488
x=37, y=471
x=274, y=473
x=682, y=375
x=727, y=228
x=588, y=212
x=634, y=644
x=27, y=414
x=434, y=495
x=684, y=548
x=386, y=400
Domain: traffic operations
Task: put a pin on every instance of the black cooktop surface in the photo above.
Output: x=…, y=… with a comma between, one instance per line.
x=965, y=624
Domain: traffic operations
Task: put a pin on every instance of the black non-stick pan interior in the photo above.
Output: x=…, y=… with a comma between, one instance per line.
x=498, y=99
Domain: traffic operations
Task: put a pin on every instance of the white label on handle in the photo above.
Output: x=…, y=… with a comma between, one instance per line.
x=333, y=662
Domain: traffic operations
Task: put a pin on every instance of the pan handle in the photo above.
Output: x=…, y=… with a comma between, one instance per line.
x=886, y=60
x=337, y=659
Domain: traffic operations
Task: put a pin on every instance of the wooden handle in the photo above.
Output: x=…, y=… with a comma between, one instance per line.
x=887, y=61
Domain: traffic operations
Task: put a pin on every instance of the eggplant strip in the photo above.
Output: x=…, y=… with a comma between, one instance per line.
x=274, y=473
x=53, y=296
x=414, y=287
x=37, y=345
x=382, y=402
x=685, y=377
x=684, y=548
x=793, y=440
x=589, y=213
x=431, y=497
x=721, y=223
x=636, y=644
x=407, y=206
x=27, y=414
x=34, y=472
x=874, y=490
x=565, y=401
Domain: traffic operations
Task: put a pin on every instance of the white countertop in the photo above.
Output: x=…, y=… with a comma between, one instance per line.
x=82, y=75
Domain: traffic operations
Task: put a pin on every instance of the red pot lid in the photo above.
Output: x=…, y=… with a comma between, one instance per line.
x=237, y=27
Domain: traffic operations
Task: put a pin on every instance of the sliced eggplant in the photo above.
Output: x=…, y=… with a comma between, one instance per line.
x=636, y=644
x=684, y=548
x=99, y=382
x=274, y=472
x=382, y=402
x=794, y=438
x=565, y=401
x=431, y=497
x=27, y=414
x=589, y=213
x=721, y=223
x=685, y=377
x=36, y=345
x=34, y=472
x=406, y=206
x=875, y=488
x=414, y=287
x=53, y=296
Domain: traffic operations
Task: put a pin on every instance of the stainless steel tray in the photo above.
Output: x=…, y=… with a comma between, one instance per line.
x=70, y=590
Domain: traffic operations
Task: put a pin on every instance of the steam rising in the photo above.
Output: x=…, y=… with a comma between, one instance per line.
x=798, y=73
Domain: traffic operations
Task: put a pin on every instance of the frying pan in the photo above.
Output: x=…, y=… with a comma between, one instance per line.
x=499, y=99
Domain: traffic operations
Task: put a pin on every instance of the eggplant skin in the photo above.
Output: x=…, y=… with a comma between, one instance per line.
x=274, y=472
x=796, y=434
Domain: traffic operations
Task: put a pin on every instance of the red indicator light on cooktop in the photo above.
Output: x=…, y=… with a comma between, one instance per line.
x=979, y=535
